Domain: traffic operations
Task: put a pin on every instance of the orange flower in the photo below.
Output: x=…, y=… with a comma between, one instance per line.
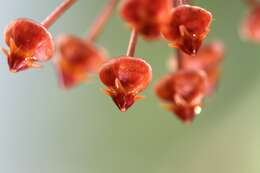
x=125, y=78
x=208, y=59
x=146, y=16
x=187, y=28
x=183, y=93
x=29, y=44
x=77, y=58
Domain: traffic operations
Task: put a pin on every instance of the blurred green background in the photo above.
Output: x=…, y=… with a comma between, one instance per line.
x=44, y=129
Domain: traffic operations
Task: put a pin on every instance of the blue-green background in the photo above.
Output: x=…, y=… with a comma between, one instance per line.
x=44, y=129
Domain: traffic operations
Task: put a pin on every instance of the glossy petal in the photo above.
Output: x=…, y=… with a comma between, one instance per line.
x=148, y=17
x=125, y=78
x=77, y=58
x=187, y=28
x=29, y=43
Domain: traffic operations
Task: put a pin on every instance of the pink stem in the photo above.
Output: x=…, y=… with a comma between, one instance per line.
x=101, y=20
x=61, y=9
x=132, y=43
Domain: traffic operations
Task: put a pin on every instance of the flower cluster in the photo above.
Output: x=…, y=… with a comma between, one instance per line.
x=184, y=26
x=194, y=70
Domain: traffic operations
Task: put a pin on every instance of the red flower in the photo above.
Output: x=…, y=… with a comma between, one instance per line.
x=146, y=16
x=187, y=28
x=29, y=44
x=251, y=24
x=184, y=92
x=77, y=58
x=208, y=59
x=125, y=78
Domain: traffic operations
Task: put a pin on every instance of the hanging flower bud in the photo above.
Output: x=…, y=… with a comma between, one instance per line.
x=208, y=59
x=147, y=17
x=29, y=43
x=183, y=92
x=125, y=78
x=251, y=24
x=77, y=58
x=187, y=28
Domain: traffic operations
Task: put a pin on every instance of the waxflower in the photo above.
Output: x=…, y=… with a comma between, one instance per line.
x=126, y=76
x=183, y=93
x=79, y=57
x=146, y=16
x=208, y=59
x=250, y=28
x=30, y=42
x=187, y=28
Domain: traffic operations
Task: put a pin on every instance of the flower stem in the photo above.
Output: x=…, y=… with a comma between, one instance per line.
x=179, y=61
x=132, y=43
x=101, y=20
x=61, y=9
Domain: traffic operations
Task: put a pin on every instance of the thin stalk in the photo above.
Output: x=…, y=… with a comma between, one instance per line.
x=60, y=10
x=178, y=56
x=132, y=43
x=101, y=20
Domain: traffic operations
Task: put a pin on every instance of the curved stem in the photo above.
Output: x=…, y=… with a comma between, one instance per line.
x=132, y=43
x=61, y=9
x=101, y=20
